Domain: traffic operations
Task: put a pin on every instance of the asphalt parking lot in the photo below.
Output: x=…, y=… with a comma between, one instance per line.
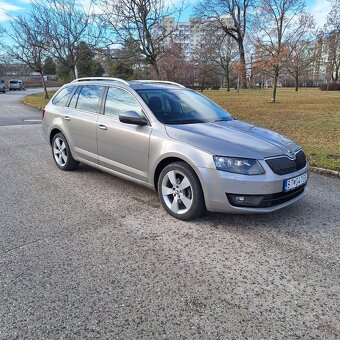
x=86, y=255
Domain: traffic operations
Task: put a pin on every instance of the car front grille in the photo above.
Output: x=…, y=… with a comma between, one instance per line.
x=284, y=165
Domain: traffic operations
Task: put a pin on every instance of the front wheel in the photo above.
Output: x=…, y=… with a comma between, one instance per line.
x=62, y=154
x=180, y=191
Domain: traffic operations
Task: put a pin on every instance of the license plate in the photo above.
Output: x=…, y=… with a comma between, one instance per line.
x=292, y=183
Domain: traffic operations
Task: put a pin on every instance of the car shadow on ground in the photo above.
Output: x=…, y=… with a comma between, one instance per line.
x=283, y=217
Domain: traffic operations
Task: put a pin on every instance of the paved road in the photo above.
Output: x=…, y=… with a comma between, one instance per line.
x=85, y=255
x=12, y=112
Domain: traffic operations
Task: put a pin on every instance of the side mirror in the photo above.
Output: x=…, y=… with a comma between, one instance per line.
x=132, y=117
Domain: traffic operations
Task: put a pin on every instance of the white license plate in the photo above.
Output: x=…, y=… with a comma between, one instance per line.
x=292, y=183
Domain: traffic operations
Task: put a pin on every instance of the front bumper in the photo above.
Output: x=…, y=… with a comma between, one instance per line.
x=264, y=191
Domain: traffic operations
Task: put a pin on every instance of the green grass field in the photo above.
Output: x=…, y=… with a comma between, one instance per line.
x=310, y=117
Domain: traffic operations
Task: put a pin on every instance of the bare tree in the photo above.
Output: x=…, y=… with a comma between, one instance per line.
x=233, y=17
x=140, y=21
x=2, y=47
x=204, y=59
x=303, y=52
x=226, y=53
x=29, y=45
x=332, y=40
x=279, y=26
x=174, y=67
x=333, y=18
x=66, y=23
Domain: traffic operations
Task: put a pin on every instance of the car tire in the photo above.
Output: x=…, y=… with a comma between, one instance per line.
x=180, y=191
x=62, y=154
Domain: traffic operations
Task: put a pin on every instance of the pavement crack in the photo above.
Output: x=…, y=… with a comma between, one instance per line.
x=20, y=246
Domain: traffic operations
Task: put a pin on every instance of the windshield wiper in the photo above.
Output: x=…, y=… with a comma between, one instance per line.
x=181, y=121
x=222, y=120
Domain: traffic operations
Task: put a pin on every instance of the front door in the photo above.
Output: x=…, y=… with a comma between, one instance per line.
x=123, y=147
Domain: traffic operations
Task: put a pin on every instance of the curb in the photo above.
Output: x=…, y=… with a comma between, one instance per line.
x=326, y=172
x=30, y=105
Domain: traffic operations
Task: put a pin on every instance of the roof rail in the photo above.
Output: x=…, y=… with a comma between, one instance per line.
x=101, y=79
x=159, y=81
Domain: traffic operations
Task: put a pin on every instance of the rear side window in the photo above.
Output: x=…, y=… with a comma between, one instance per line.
x=119, y=101
x=89, y=98
x=63, y=96
x=74, y=99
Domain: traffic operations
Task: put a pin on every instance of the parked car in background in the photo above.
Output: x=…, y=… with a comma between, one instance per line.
x=2, y=86
x=172, y=139
x=16, y=84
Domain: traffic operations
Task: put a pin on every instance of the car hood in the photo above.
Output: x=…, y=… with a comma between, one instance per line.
x=233, y=138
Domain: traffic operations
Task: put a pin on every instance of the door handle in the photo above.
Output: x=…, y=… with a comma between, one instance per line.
x=67, y=118
x=103, y=127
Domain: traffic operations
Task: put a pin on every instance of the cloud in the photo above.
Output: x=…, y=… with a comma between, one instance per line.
x=5, y=8
x=320, y=10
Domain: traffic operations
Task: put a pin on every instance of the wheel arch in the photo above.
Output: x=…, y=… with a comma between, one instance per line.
x=169, y=160
x=53, y=133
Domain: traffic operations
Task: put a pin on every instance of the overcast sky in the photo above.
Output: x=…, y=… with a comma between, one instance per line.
x=319, y=8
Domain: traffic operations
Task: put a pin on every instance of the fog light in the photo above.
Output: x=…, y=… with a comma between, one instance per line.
x=245, y=200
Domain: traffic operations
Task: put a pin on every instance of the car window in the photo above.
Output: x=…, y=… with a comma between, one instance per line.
x=89, y=98
x=119, y=101
x=63, y=96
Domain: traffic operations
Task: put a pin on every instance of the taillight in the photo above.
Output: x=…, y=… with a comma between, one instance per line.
x=42, y=113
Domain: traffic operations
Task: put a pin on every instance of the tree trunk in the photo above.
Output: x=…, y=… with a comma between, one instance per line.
x=44, y=84
x=155, y=67
x=276, y=76
x=336, y=78
x=202, y=85
x=228, y=77
x=243, y=70
x=296, y=83
x=75, y=72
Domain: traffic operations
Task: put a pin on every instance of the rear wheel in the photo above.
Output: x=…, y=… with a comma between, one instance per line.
x=62, y=154
x=180, y=191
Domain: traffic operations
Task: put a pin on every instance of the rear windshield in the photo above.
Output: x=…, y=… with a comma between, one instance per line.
x=14, y=81
x=182, y=106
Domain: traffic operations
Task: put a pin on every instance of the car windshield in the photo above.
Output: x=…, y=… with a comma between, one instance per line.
x=182, y=106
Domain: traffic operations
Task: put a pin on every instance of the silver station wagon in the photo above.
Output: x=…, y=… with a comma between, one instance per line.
x=172, y=139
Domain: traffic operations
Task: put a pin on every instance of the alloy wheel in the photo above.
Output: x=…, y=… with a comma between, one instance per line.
x=177, y=192
x=60, y=151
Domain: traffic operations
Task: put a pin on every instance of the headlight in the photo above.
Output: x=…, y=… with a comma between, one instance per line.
x=238, y=165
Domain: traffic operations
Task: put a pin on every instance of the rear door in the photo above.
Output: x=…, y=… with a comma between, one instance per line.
x=80, y=121
x=123, y=147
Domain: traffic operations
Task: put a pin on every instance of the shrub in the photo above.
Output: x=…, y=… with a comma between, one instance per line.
x=331, y=87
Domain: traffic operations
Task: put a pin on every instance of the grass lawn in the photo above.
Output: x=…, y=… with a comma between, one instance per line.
x=37, y=100
x=310, y=117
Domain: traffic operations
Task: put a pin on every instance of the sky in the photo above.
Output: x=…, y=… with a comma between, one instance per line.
x=319, y=8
